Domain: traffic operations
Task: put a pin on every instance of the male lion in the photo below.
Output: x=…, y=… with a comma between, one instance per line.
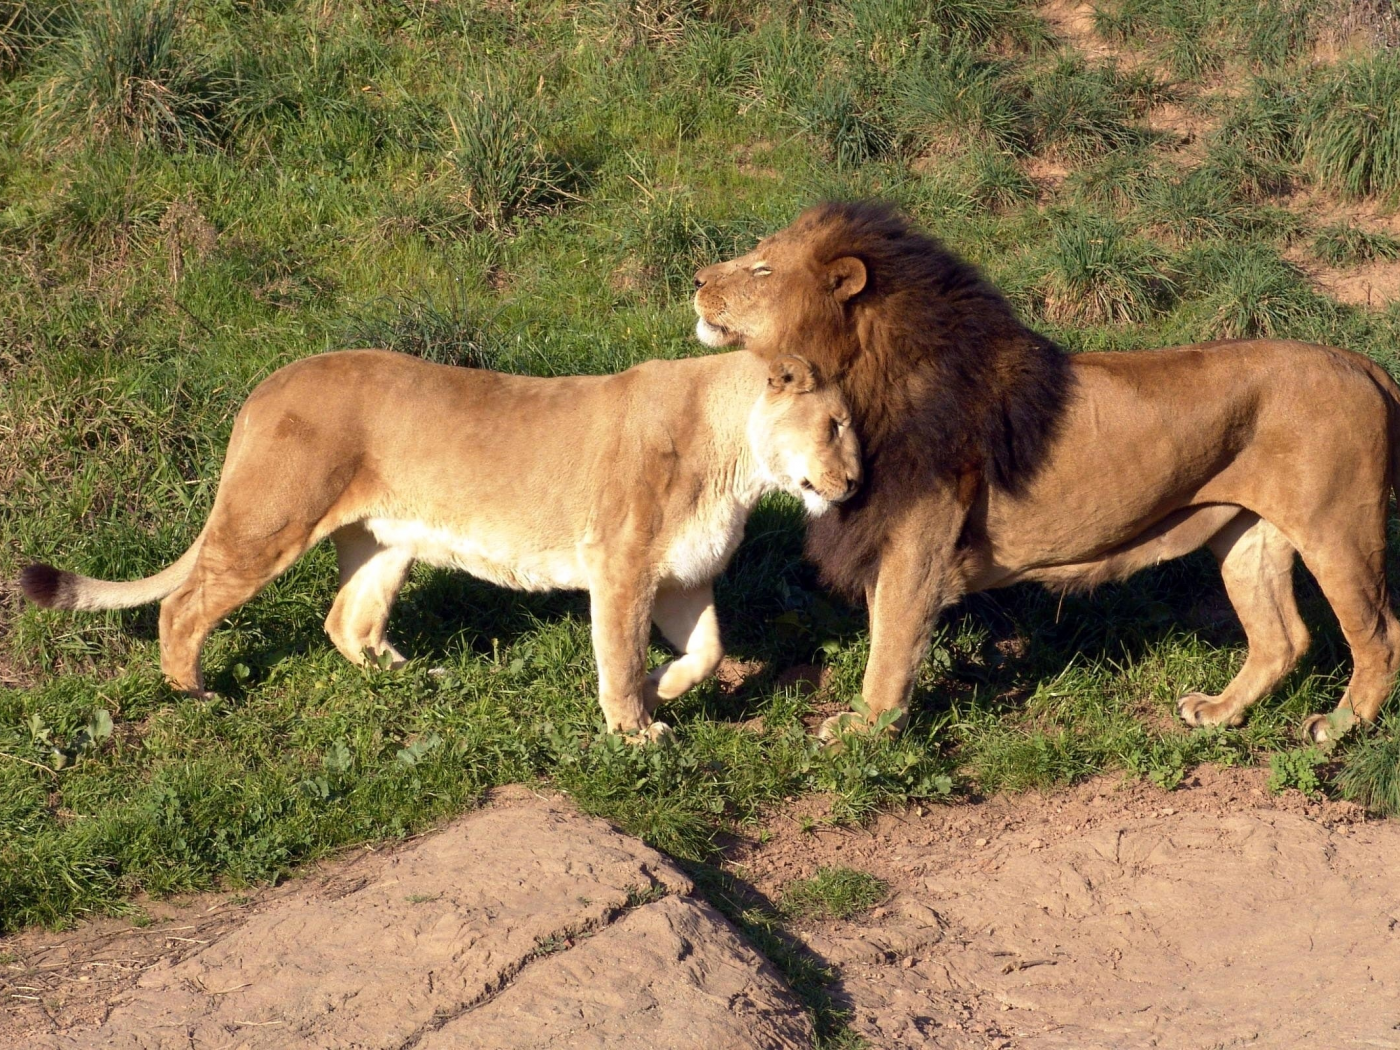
x=635, y=486
x=992, y=457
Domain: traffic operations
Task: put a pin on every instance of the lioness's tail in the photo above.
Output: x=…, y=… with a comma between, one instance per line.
x=55, y=589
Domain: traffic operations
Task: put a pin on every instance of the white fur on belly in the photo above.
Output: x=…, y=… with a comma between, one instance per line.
x=500, y=563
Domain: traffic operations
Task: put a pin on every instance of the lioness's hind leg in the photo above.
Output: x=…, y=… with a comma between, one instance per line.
x=224, y=577
x=370, y=577
x=687, y=619
x=1256, y=562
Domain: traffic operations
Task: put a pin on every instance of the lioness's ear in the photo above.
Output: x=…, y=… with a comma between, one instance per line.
x=845, y=277
x=794, y=374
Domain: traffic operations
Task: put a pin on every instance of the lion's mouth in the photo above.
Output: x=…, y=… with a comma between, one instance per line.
x=714, y=335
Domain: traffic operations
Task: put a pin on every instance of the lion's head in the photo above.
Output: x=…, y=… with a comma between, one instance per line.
x=789, y=291
x=800, y=432
x=943, y=379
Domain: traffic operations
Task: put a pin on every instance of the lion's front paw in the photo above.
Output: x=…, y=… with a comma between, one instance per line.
x=847, y=722
x=1328, y=729
x=1202, y=709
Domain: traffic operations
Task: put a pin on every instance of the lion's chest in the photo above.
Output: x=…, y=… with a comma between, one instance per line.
x=516, y=562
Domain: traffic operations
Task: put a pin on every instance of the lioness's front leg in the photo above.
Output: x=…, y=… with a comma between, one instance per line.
x=620, y=601
x=919, y=575
x=687, y=619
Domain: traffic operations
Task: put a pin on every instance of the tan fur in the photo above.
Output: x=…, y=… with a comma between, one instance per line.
x=634, y=486
x=1259, y=450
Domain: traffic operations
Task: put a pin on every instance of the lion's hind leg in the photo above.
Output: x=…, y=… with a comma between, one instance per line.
x=370, y=577
x=1352, y=577
x=687, y=619
x=1256, y=562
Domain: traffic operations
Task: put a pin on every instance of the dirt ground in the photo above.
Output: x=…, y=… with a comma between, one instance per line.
x=1111, y=914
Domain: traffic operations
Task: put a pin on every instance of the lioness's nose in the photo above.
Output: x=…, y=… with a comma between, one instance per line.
x=702, y=275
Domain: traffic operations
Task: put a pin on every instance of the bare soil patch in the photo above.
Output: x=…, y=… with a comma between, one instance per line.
x=1113, y=915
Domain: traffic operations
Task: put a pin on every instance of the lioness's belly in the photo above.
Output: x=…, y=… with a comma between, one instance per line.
x=512, y=564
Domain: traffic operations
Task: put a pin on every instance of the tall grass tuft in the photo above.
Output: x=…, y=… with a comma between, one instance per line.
x=889, y=31
x=25, y=26
x=961, y=95
x=1098, y=274
x=1264, y=122
x=1249, y=291
x=447, y=335
x=1081, y=111
x=499, y=155
x=996, y=181
x=1197, y=36
x=1341, y=243
x=848, y=123
x=1351, y=127
x=1370, y=774
x=125, y=72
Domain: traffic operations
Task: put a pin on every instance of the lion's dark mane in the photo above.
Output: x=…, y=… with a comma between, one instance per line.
x=947, y=385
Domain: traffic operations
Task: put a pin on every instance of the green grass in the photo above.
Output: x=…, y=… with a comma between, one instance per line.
x=1340, y=243
x=1351, y=127
x=832, y=893
x=194, y=194
x=1097, y=274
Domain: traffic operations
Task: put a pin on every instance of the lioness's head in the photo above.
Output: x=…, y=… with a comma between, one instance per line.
x=800, y=432
x=792, y=290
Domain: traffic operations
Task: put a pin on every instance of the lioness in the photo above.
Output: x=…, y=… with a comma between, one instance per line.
x=992, y=457
x=635, y=486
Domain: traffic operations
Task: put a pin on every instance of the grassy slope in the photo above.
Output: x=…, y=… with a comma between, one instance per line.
x=529, y=186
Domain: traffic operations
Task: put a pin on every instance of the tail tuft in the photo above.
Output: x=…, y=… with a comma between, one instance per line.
x=42, y=584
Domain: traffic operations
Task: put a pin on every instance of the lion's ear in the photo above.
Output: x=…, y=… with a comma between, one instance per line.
x=793, y=374
x=845, y=277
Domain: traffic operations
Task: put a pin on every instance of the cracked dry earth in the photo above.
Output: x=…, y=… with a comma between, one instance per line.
x=1110, y=914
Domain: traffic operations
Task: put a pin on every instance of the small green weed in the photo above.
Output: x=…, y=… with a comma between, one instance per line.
x=1296, y=769
x=832, y=893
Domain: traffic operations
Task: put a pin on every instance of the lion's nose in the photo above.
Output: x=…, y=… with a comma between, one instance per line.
x=702, y=275
x=699, y=282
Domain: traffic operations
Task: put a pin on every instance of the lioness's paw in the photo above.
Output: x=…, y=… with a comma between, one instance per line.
x=1201, y=709
x=834, y=728
x=1328, y=729
x=650, y=735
